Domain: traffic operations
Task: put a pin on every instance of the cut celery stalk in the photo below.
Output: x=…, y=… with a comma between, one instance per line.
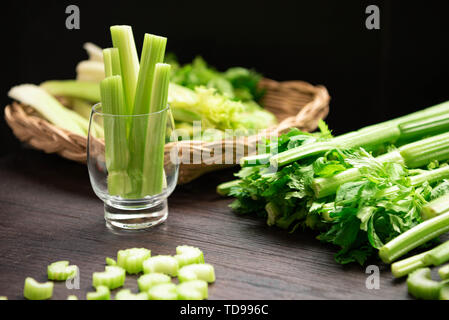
x=131, y=259
x=202, y=271
x=110, y=261
x=435, y=207
x=224, y=188
x=438, y=255
x=193, y=290
x=164, y=291
x=34, y=290
x=188, y=255
x=115, y=133
x=414, y=237
x=149, y=280
x=111, y=62
x=153, y=163
x=90, y=71
x=444, y=292
x=61, y=270
x=72, y=297
x=113, y=277
x=161, y=264
x=102, y=293
x=123, y=40
x=126, y=294
x=421, y=286
x=74, y=89
x=152, y=53
x=404, y=267
x=444, y=272
x=48, y=107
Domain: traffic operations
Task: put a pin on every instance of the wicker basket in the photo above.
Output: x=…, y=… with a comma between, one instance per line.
x=295, y=104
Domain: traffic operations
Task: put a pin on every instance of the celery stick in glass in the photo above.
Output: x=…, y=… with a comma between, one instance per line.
x=111, y=62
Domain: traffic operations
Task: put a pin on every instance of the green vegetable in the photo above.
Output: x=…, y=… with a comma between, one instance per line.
x=61, y=270
x=110, y=262
x=193, y=290
x=436, y=207
x=126, y=294
x=404, y=267
x=131, y=259
x=224, y=188
x=34, y=290
x=421, y=286
x=164, y=291
x=111, y=59
x=113, y=277
x=414, y=237
x=161, y=264
x=202, y=271
x=72, y=297
x=149, y=280
x=73, y=89
x=438, y=255
x=115, y=133
x=444, y=292
x=123, y=40
x=153, y=157
x=102, y=293
x=444, y=272
x=188, y=255
x=3, y=298
x=50, y=108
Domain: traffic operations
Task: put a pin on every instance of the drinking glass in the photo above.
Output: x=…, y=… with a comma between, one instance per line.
x=131, y=166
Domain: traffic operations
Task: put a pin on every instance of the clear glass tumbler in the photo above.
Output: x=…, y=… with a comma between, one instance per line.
x=129, y=158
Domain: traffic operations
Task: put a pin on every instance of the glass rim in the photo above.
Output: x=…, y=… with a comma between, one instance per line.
x=97, y=105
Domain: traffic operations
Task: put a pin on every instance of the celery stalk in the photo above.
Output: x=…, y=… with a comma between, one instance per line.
x=443, y=272
x=115, y=132
x=111, y=59
x=437, y=255
x=89, y=70
x=152, y=53
x=406, y=266
x=73, y=88
x=123, y=39
x=435, y=207
x=153, y=165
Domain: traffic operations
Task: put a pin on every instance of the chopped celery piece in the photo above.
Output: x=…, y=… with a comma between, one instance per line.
x=444, y=292
x=444, y=272
x=34, y=290
x=149, y=280
x=73, y=89
x=201, y=271
x=438, y=255
x=193, y=290
x=164, y=291
x=113, y=277
x=115, y=133
x=123, y=40
x=188, y=255
x=161, y=264
x=50, y=108
x=126, y=294
x=153, y=160
x=111, y=62
x=152, y=53
x=72, y=297
x=435, y=207
x=3, y=298
x=414, y=237
x=90, y=71
x=131, y=259
x=421, y=286
x=102, y=293
x=110, y=262
x=404, y=267
x=61, y=270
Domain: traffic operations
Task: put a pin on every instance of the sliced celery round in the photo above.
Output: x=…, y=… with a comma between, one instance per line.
x=34, y=290
x=164, y=291
x=61, y=270
x=102, y=293
x=188, y=255
x=126, y=294
x=161, y=264
x=113, y=277
x=201, y=271
x=193, y=290
x=149, y=280
x=131, y=259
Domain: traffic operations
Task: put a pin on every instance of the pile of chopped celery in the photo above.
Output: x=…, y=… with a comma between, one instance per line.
x=155, y=282
x=360, y=190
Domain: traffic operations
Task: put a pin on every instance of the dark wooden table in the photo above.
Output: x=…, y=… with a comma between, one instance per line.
x=48, y=212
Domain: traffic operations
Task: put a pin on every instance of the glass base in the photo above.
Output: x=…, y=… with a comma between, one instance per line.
x=135, y=218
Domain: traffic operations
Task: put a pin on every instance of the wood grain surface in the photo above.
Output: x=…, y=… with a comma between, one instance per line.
x=48, y=212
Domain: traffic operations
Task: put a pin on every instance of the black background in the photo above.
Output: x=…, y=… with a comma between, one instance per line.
x=372, y=75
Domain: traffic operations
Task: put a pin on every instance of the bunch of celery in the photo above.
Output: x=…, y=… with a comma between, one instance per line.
x=134, y=146
x=359, y=190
